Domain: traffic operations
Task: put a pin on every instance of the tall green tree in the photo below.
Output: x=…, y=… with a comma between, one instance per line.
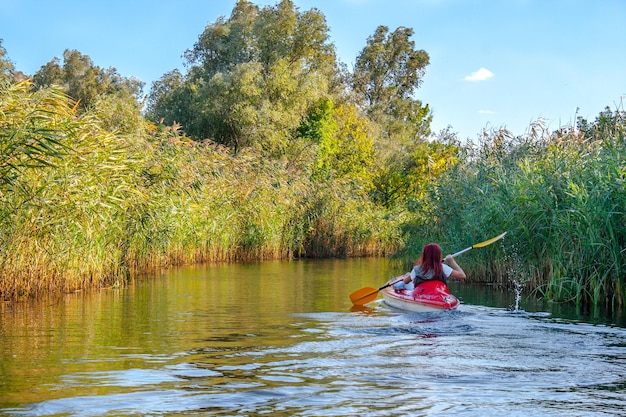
x=386, y=76
x=352, y=145
x=83, y=81
x=389, y=67
x=167, y=101
x=252, y=78
x=345, y=140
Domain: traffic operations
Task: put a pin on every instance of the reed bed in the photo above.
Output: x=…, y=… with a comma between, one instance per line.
x=88, y=201
x=562, y=198
x=87, y=204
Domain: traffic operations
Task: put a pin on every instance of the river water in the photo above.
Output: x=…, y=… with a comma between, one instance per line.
x=279, y=339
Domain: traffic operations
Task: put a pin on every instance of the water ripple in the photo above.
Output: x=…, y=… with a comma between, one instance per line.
x=474, y=361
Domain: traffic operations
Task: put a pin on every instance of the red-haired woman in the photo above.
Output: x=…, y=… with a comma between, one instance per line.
x=428, y=267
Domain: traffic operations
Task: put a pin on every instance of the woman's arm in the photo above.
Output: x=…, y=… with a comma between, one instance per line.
x=401, y=281
x=457, y=271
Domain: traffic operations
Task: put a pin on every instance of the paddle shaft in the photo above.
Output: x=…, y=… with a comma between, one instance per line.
x=461, y=252
x=479, y=245
x=390, y=284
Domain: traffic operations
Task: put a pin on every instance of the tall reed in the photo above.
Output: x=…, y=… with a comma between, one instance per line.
x=86, y=203
x=561, y=197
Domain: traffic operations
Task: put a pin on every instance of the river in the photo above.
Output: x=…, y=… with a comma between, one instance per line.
x=280, y=339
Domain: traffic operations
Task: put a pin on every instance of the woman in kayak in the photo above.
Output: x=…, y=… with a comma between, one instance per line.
x=428, y=267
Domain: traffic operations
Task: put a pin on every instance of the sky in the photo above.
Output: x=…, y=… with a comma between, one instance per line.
x=493, y=63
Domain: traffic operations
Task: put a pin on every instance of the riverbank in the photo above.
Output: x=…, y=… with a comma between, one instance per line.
x=85, y=204
x=84, y=207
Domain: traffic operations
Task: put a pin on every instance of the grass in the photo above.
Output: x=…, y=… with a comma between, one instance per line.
x=561, y=197
x=89, y=201
x=84, y=205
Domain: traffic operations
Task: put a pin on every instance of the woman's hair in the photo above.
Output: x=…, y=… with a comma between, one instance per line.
x=431, y=259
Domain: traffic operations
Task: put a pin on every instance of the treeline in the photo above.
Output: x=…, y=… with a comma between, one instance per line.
x=268, y=147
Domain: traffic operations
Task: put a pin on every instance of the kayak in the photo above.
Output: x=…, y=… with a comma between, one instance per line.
x=428, y=296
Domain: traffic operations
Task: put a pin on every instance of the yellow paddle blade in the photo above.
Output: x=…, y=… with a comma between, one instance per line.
x=364, y=296
x=488, y=242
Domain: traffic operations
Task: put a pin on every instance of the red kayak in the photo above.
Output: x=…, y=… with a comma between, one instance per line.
x=428, y=296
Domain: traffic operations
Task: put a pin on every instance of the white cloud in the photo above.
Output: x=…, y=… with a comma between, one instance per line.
x=486, y=112
x=480, y=75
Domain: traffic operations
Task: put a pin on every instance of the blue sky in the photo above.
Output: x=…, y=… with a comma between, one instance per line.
x=493, y=63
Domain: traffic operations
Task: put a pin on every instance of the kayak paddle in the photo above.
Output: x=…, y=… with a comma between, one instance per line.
x=480, y=245
x=368, y=294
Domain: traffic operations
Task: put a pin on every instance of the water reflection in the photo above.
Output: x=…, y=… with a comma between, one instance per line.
x=279, y=338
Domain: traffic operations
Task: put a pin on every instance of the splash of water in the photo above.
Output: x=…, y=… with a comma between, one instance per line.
x=512, y=259
x=518, y=287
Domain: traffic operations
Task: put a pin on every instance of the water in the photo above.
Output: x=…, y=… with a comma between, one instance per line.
x=279, y=339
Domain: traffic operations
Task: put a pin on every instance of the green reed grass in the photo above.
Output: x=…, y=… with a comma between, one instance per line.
x=86, y=203
x=561, y=197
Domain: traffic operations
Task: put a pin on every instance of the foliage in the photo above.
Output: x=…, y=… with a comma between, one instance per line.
x=118, y=115
x=405, y=180
x=6, y=66
x=389, y=67
x=84, y=82
x=167, y=101
x=86, y=205
x=252, y=78
x=59, y=214
x=346, y=149
x=386, y=74
x=265, y=149
x=561, y=197
x=318, y=124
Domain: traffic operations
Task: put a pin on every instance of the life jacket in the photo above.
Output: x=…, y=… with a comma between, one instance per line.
x=420, y=276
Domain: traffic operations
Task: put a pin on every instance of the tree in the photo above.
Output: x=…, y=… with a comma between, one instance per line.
x=347, y=146
x=386, y=75
x=319, y=122
x=389, y=68
x=83, y=81
x=6, y=66
x=344, y=139
x=253, y=77
x=167, y=101
x=50, y=74
x=407, y=183
x=226, y=43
